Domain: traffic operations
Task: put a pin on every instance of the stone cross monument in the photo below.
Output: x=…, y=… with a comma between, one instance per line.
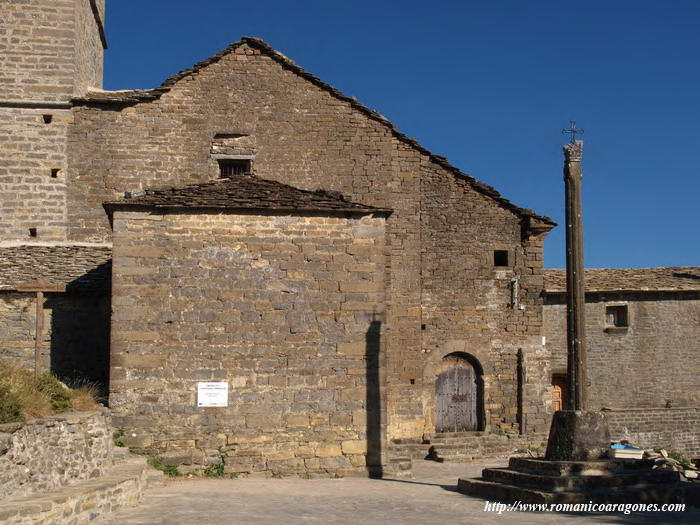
x=576, y=434
x=575, y=298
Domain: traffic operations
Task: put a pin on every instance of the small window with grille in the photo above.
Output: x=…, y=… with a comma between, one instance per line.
x=232, y=167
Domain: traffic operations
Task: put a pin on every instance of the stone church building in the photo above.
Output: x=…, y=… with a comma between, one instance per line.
x=247, y=225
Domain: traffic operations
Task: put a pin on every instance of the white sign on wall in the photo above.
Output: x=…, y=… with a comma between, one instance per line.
x=212, y=394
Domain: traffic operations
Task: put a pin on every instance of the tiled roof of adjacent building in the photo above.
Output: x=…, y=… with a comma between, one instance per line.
x=127, y=98
x=246, y=192
x=80, y=268
x=677, y=278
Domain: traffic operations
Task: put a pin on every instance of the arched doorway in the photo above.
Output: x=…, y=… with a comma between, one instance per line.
x=458, y=394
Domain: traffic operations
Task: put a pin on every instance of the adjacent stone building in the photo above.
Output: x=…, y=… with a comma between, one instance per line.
x=642, y=328
x=276, y=291
x=263, y=230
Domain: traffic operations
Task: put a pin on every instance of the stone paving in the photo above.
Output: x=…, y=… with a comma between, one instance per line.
x=429, y=498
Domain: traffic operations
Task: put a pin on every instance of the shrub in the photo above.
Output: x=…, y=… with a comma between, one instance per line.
x=85, y=397
x=58, y=394
x=215, y=471
x=23, y=391
x=40, y=396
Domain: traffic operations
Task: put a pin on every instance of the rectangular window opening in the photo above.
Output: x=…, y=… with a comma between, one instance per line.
x=55, y=172
x=47, y=118
x=500, y=258
x=616, y=316
x=32, y=232
x=232, y=167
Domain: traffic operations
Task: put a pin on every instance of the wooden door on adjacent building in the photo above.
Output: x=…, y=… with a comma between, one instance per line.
x=456, y=396
x=559, y=392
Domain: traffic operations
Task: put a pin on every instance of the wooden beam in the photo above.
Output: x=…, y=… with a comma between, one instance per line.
x=40, y=286
x=39, y=333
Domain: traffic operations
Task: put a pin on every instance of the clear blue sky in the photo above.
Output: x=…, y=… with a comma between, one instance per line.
x=489, y=84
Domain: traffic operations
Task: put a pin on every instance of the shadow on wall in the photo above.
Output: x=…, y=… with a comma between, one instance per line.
x=80, y=329
x=374, y=408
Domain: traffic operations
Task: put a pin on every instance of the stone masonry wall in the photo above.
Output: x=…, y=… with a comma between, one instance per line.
x=674, y=429
x=467, y=301
x=17, y=327
x=88, y=48
x=33, y=173
x=49, y=50
x=75, y=342
x=659, y=352
x=37, y=39
x=45, y=454
x=302, y=135
x=286, y=309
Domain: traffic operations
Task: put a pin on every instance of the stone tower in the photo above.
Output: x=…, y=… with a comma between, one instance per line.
x=50, y=52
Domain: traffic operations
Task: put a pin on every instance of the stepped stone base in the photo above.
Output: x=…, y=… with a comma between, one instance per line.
x=542, y=481
x=577, y=435
x=122, y=486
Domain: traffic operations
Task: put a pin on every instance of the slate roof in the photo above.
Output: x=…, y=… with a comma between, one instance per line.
x=123, y=98
x=80, y=268
x=676, y=278
x=246, y=192
x=126, y=98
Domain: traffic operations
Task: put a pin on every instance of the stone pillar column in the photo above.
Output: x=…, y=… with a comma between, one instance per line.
x=576, y=434
x=575, y=290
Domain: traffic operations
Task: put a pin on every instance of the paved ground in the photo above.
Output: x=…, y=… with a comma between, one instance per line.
x=430, y=498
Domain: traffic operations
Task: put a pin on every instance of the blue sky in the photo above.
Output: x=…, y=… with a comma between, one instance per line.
x=489, y=84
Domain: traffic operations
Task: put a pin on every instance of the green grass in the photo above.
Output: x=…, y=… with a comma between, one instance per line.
x=680, y=458
x=168, y=470
x=215, y=471
x=117, y=436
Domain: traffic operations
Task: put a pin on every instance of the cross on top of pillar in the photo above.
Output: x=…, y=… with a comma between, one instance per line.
x=572, y=131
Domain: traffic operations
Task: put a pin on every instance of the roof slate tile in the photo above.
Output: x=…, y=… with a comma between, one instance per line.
x=80, y=268
x=676, y=278
x=243, y=192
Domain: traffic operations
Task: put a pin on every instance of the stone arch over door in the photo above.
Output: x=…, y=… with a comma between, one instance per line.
x=459, y=394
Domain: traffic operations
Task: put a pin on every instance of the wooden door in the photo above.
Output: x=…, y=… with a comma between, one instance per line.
x=557, y=400
x=456, y=396
x=559, y=392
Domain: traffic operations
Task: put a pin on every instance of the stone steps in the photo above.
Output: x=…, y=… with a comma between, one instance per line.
x=455, y=435
x=456, y=447
x=578, y=483
x=398, y=467
x=466, y=449
x=501, y=492
x=85, y=501
x=451, y=458
x=561, y=468
x=574, y=468
x=529, y=480
x=410, y=450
